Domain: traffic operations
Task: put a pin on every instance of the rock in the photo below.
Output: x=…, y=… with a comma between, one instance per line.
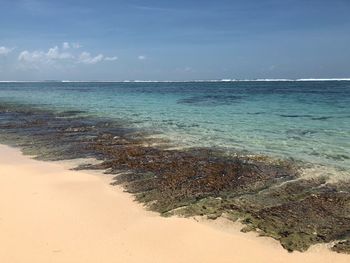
x=342, y=247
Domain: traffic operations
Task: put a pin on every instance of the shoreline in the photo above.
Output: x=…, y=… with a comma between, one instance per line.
x=51, y=214
x=268, y=197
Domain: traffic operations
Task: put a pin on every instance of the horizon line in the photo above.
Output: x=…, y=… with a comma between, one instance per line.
x=179, y=81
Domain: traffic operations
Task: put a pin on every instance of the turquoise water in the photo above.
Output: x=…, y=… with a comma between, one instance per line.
x=307, y=121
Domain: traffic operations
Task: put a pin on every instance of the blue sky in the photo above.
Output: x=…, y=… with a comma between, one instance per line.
x=174, y=40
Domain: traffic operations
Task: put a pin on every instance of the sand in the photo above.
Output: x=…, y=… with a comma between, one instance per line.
x=51, y=214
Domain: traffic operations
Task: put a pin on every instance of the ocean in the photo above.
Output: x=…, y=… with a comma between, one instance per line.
x=308, y=121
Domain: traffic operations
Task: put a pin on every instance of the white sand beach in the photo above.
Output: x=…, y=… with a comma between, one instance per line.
x=51, y=214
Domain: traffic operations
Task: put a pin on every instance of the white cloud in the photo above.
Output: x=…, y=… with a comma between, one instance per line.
x=59, y=57
x=141, y=57
x=49, y=57
x=66, y=45
x=86, y=58
x=111, y=58
x=5, y=50
x=26, y=56
x=54, y=53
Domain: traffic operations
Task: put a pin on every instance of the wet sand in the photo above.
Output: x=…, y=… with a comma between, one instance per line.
x=51, y=214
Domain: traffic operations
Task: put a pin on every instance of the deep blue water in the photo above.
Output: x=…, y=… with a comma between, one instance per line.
x=307, y=121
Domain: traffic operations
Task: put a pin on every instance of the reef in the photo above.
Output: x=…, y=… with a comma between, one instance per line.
x=268, y=196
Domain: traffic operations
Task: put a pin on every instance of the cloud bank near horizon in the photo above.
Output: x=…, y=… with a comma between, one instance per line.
x=68, y=54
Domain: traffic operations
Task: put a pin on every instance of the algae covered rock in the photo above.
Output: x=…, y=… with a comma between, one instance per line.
x=267, y=196
x=342, y=247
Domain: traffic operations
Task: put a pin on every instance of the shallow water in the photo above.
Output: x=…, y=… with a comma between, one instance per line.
x=307, y=121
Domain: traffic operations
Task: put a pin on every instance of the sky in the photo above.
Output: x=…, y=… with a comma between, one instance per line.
x=174, y=40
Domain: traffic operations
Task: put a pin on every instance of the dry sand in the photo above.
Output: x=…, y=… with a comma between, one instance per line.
x=50, y=214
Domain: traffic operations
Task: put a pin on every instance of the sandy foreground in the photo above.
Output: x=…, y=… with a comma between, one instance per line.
x=51, y=214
